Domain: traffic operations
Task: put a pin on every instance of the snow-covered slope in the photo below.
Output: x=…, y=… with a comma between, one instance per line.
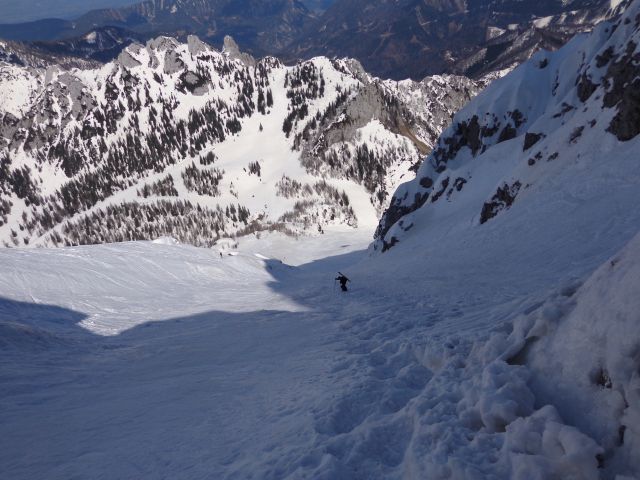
x=487, y=342
x=184, y=140
x=562, y=129
x=158, y=360
x=582, y=350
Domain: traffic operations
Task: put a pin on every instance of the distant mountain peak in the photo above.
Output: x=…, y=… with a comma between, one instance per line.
x=407, y=39
x=184, y=140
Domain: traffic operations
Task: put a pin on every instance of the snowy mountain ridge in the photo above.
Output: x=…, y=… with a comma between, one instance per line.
x=512, y=44
x=468, y=38
x=184, y=140
x=557, y=113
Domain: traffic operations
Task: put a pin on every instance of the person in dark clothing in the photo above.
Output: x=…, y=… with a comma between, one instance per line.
x=343, y=281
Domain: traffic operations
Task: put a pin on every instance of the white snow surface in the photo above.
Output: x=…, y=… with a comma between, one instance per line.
x=156, y=360
x=18, y=89
x=508, y=350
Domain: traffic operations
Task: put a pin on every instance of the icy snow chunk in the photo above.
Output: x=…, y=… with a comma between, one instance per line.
x=541, y=447
x=582, y=349
x=542, y=22
x=505, y=395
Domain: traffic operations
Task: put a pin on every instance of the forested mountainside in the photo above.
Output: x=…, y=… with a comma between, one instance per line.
x=178, y=138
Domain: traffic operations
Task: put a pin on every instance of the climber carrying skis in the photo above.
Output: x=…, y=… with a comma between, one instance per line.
x=343, y=281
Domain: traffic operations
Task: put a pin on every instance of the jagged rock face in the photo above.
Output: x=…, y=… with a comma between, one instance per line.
x=579, y=104
x=413, y=110
x=231, y=48
x=179, y=139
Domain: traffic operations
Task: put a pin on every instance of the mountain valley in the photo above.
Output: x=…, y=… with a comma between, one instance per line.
x=174, y=215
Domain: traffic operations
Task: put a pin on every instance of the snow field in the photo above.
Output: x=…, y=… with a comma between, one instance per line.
x=507, y=350
x=113, y=288
x=160, y=360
